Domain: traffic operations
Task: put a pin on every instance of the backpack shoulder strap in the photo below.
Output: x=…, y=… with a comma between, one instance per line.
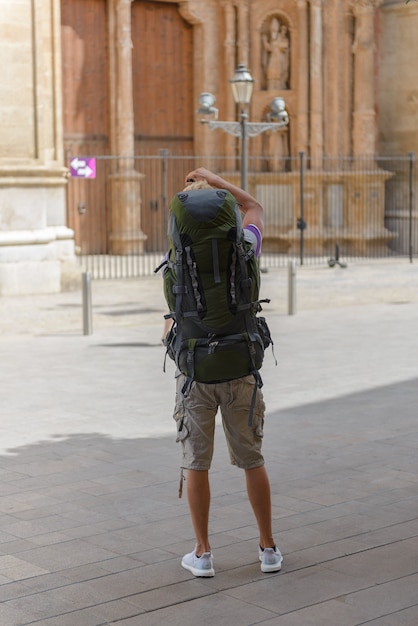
x=238, y=223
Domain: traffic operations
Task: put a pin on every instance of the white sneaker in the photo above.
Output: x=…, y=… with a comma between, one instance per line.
x=199, y=565
x=271, y=559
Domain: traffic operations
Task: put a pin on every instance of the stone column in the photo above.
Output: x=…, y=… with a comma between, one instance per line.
x=303, y=70
x=364, y=129
x=243, y=40
x=36, y=247
x=203, y=17
x=229, y=65
x=126, y=236
x=367, y=190
x=333, y=126
x=316, y=76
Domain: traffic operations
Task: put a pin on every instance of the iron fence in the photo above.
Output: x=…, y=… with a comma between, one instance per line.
x=315, y=210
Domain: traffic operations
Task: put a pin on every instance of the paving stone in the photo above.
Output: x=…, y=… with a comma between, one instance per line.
x=287, y=592
x=387, y=598
x=68, y=554
x=39, y=606
x=73, y=618
x=381, y=564
x=328, y=613
x=116, y=610
x=13, y=617
x=223, y=610
x=120, y=585
x=14, y=568
x=404, y=617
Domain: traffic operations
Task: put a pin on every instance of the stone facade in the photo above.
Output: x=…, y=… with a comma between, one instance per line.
x=345, y=68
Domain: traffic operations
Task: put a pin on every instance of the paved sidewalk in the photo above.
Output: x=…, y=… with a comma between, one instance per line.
x=91, y=526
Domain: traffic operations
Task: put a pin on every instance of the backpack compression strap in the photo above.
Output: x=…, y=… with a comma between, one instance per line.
x=180, y=288
x=193, y=278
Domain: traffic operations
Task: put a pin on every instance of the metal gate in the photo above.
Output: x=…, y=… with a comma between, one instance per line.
x=345, y=207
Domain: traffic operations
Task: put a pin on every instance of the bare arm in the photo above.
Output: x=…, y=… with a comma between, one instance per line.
x=252, y=209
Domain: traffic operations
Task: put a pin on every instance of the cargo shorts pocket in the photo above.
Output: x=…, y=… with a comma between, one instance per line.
x=258, y=418
x=180, y=419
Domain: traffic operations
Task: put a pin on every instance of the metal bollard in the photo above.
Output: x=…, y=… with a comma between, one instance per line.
x=87, y=309
x=291, y=288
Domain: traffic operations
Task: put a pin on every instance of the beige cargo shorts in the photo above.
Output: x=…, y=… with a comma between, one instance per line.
x=195, y=418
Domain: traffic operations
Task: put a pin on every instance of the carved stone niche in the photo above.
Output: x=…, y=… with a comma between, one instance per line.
x=275, y=48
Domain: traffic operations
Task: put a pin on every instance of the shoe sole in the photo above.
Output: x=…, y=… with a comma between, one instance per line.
x=200, y=573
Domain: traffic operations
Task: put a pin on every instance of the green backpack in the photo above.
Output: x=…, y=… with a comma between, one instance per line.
x=211, y=285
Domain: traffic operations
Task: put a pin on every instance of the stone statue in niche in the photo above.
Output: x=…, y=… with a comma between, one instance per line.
x=276, y=55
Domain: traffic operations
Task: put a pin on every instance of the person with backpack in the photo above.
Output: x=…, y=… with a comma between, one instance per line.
x=211, y=284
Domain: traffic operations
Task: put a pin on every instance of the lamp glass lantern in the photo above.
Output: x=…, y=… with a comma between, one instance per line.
x=242, y=85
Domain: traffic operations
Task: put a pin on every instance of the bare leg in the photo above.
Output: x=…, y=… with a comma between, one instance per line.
x=198, y=495
x=258, y=489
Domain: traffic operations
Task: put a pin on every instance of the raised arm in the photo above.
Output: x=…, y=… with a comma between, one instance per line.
x=252, y=209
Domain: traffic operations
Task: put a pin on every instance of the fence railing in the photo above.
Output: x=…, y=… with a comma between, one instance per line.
x=341, y=207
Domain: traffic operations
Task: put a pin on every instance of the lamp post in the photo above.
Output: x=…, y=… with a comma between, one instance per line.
x=242, y=87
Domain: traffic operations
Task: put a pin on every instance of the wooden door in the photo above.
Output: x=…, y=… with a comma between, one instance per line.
x=162, y=77
x=163, y=102
x=86, y=115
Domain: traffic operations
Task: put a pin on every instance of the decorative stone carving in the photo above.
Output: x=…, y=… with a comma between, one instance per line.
x=191, y=11
x=364, y=6
x=276, y=55
x=412, y=101
x=364, y=37
x=276, y=149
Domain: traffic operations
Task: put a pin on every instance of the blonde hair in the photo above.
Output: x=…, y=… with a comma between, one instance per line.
x=198, y=184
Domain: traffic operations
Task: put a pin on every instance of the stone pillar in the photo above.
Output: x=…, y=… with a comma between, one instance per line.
x=364, y=122
x=303, y=72
x=333, y=125
x=229, y=64
x=367, y=190
x=243, y=34
x=35, y=244
x=126, y=236
x=206, y=74
x=316, y=77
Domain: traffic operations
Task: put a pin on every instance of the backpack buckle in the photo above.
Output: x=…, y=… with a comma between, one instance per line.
x=212, y=346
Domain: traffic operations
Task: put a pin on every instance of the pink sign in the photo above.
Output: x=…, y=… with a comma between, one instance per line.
x=83, y=167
